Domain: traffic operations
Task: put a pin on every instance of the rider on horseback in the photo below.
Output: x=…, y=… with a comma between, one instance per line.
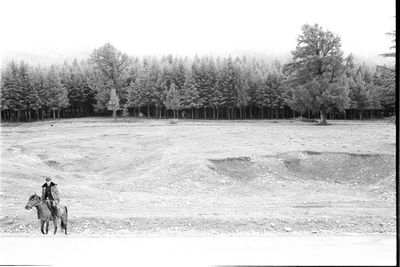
x=51, y=194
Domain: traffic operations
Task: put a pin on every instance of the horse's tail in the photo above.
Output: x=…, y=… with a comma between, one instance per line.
x=64, y=220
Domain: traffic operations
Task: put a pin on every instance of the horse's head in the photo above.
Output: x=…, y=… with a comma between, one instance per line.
x=33, y=201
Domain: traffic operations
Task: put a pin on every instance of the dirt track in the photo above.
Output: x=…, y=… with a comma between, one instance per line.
x=149, y=177
x=368, y=250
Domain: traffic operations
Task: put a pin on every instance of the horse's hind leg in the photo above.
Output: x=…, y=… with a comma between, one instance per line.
x=55, y=222
x=47, y=227
x=64, y=224
x=42, y=227
x=65, y=229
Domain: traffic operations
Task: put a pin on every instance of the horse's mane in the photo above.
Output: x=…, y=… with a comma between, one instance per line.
x=35, y=197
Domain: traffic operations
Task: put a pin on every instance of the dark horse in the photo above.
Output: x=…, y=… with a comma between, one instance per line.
x=44, y=214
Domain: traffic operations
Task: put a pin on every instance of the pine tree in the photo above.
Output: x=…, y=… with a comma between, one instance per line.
x=38, y=96
x=228, y=86
x=74, y=81
x=204, y=74
x=384, y=81
x=56, y=94
x=256, y=85
x=216, y=99
x=113, y=103
x=317, y=66
x=359, y=95
x=109, y=65
x=125, y=111
x=191, y=96
x=173, y=100
x=242, y=97
x=9, y=90
x=276, y=89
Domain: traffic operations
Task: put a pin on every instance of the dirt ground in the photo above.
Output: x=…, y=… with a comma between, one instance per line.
x=196, y=178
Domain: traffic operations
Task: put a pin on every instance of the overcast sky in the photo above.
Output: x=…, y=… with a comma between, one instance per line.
x=52, y=30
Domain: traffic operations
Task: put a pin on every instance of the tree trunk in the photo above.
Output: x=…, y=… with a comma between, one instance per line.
x=205, y=113
x=251, y=112
x=192, y=112
x=323, y=117
x=148, y=111
x=240, y=111
x=213, y=113
x=114, y=114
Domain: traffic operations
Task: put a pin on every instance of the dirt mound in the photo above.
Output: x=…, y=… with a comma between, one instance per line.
x=364, y=169
x=239, y=169
x=343, y=168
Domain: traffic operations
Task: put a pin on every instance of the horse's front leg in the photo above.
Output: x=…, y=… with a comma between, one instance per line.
x=55, y=222
x=47, y=227
x=42, y=227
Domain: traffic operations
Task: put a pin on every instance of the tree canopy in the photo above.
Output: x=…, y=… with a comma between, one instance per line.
x=316, y=72
x=317, y=81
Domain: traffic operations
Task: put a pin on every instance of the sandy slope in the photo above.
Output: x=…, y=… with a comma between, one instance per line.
x=148, y=176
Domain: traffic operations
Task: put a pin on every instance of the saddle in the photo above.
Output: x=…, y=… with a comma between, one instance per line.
x=54, y=210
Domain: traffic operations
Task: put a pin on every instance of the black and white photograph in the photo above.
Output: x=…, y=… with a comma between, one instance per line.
x=198, y=133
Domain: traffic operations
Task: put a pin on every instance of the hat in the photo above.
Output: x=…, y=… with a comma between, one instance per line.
x=48, y=179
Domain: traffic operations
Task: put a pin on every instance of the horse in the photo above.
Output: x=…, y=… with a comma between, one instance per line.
x=44, y=214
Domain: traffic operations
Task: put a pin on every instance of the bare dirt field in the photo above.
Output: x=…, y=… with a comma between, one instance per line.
x=194, y=178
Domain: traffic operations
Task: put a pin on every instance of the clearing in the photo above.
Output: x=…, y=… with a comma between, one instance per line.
x=152, y=178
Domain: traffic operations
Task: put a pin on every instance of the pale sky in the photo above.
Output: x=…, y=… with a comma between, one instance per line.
x=47, y=31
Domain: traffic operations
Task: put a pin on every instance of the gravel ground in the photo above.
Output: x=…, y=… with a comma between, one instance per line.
x=196, y=178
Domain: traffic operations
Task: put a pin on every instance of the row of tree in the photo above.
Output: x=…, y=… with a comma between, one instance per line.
x=36, y=93
x=318, y=81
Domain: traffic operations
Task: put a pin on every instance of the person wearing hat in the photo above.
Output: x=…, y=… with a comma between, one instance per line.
x=50, y=193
